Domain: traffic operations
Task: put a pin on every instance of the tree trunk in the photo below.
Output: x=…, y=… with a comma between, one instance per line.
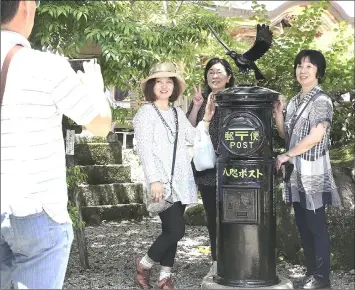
x=80, y=236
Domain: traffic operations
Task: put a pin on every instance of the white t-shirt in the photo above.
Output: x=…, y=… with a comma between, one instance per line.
x=40, y=88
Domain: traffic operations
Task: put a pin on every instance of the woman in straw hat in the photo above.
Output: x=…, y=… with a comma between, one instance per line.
x=156, y=126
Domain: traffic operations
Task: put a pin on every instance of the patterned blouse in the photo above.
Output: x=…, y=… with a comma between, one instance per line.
x=209, y=176
x=155, y=146
x=311, y=183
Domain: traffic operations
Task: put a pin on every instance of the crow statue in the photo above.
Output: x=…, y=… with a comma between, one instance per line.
x=246, y=61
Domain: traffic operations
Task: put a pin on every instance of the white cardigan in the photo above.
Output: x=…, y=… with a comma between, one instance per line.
x=155, y=145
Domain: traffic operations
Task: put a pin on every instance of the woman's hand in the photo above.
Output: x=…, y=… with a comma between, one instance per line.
x=210, y=108
x=198, y=98
x=279, y=105
x=157, y=191
x=281, y=159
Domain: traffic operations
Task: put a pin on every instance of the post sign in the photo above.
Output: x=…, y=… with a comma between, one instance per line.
x=243, y=134
x=69, y=142
x=242, y=173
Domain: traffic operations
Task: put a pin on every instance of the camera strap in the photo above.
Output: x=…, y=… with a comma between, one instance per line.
x=5, y=68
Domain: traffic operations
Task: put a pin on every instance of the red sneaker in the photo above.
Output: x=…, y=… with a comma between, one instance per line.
x=165, y=283
x=143, y=275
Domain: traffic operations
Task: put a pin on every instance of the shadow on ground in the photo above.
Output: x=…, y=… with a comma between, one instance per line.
x=112, y=247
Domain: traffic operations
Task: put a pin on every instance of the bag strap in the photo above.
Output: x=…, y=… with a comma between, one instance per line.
x=175, y=146
x=5, y=68
x=176, y=139
x=162, y=119
x=292, y=126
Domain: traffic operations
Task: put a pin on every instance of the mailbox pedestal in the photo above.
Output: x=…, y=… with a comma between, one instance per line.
x=246, y=221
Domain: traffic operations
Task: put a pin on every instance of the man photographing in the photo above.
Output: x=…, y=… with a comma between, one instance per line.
x=37, y=88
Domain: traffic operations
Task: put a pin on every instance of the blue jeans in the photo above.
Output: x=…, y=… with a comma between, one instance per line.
x=34, y=251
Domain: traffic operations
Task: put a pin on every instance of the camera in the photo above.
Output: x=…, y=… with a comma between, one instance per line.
x=77, y=64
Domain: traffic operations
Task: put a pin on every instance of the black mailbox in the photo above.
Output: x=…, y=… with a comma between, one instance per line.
x=246, y=222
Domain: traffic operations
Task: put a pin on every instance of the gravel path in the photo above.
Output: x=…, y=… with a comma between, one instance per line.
x=112, y=246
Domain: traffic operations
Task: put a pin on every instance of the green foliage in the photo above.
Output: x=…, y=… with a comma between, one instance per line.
x=344, y=155
x=277, y=64
x=75, y=176
x=343, y=126
x=74, y=216
x=131, y=37
x=134, y=36
x=121, y=116
x=340, y=78
x=261, y=15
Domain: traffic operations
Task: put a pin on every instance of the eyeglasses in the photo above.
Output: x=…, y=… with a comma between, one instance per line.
x=37, y=3
x=212, y=73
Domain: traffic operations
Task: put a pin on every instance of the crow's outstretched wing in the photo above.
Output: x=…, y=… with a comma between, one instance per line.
x=262, y=43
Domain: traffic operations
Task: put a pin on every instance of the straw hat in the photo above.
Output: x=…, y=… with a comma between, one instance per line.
x=164, y=70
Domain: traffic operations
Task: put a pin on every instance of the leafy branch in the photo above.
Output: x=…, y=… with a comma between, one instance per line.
x=75, y=176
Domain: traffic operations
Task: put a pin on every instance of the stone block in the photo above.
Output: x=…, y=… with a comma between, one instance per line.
x=98, y=153
x=112, y=194
x=87, y=137
x=106, y=174
x=195, y=216
x=94, y=215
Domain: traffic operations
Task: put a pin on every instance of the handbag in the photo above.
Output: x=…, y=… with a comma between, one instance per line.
x=204, y=155
x=5, y=68
x=288, y=165
x=167, y=201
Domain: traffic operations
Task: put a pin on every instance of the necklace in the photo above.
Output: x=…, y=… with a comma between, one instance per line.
x=165, y=123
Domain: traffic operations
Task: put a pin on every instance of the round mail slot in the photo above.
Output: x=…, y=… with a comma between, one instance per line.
x=243, y=133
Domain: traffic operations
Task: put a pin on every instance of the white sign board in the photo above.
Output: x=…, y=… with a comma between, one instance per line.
x=69, y=142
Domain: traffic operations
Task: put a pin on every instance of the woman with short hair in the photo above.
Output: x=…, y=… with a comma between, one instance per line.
x=311, y=185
